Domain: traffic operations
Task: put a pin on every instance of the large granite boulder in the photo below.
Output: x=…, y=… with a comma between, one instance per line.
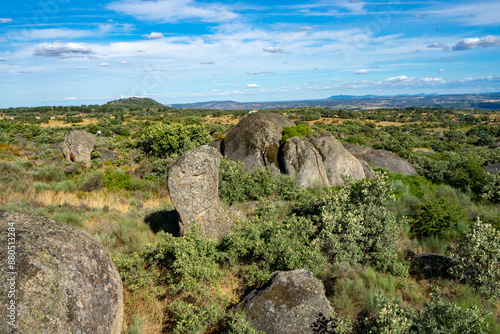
x=255, y=140
x=78, y=145
x=291, y=302
x=193, y=184
x=55, y=278
x=319, y=160
x=382, y=159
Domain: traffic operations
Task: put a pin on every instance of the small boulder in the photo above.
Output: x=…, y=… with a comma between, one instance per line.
x=303, y=162
x=64, y=281
x=381, y=159
x=193, y=184
x=78, y=145
x=255, y=140
x=291, y=302
x=430, y=265
x=107, y=155
x=390, y=161
x=319, y=160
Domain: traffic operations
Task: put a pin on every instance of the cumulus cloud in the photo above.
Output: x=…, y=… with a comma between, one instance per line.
x=104, y=64
x=60, y=50
x=124, y=62
x=362, y=71
x=170, y=11
x=5, y=20
x=438, y=46
x=440, y=70
x=274, y=49
x=3, y=59
x=81, y=67
x=70, y=98
x=253, y=86
x=154, y=35
x=305, y=28
x=472, y=43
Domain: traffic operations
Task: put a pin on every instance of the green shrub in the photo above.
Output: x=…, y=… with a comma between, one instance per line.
x=491, y=188
x=236, y=185
x=274, y=245
x=438, y=317
x=69, y=217
x=295, y=131
x=191, y=268
x=134, y=272
x=64, y=186
x=477, y=253
x=48, y=173
x=356, y=227
x=435, y=214
x=93, y=181
x=166, y=140
x=117, y=180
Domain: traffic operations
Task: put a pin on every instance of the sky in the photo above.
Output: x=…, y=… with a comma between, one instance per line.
x=82, y=52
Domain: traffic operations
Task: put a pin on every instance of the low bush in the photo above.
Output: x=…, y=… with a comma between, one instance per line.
x=477, y=253
x=355, y=225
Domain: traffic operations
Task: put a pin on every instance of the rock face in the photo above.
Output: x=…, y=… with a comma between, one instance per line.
x=255, y=140
x=382, y=159
x=193, y=183
x=319, y=160
x=430, y=265
x=107, y=155
x=291, y=302
x=78, y=145
x=65, y=281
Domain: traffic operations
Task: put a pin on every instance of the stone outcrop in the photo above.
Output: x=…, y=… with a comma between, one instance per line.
x=78, y=145
x=430, y=265
x=382, y=159
x=319, y=160
x=193, y=183
x=107, y=155
x=291, y=302
x=65, y=281
x=255, y=140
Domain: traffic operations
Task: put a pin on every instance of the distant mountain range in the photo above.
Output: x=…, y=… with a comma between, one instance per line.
x=459, y=101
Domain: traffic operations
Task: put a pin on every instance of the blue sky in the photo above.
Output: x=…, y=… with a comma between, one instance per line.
x=75, y=52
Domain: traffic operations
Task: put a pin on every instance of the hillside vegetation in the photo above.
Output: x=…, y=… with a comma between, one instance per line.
x=356, y=238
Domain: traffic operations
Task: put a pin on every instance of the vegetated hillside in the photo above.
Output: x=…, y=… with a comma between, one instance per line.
x=354, y=238
x=136, y=102
x=463, y=101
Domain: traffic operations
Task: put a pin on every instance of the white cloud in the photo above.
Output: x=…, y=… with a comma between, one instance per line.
x=5, y=20
x=437, y=45
x=55, y=33
x=70, y=98
x=170, y=11
x=104, y=64
x=81, y=67
x=3, y=59
x=124, y=62
x=253, y=86
x=274, y=49
x=305, y=28
x=154, y=35
x=440, y=70
x=477, y=13
x=207, y=63
x=362, y=71
x=60, y=50
x=471, y=43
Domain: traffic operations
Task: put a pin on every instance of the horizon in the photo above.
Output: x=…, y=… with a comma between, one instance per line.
x=67, y=52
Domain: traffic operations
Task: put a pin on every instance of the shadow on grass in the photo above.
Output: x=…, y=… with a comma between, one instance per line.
x=166, y=221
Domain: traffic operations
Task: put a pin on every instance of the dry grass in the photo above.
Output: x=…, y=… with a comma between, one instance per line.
x=150, y=309
x=96, y=199
x=59, y=123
